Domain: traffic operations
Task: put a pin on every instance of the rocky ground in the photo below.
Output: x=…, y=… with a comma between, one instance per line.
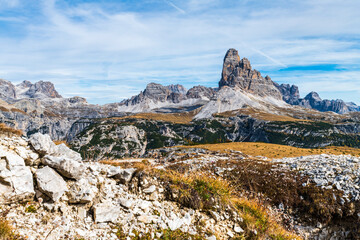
x=49, y=192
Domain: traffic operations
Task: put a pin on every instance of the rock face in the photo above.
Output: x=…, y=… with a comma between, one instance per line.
x=177, y=88
x=200, y=92
x=289, y=93
x=39, y=107
x=102, y=139
x=313, y=101
x=7, y=90
x=238, y=73
x=39, y=90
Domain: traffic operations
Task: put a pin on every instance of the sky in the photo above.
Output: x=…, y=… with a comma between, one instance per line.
x=108, y=50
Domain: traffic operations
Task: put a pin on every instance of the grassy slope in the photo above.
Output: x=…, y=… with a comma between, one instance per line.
x=275, y=150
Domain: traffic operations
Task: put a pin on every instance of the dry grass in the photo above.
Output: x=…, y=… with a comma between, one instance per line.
x=62, y=142
x=9, y=130
x=180, y=118
x=7, y=231
x=275, y=150
x=4, y=109
x=128, y=163
x=256, y=218
x=258, y=114
x=201, y=191
x=18, y=110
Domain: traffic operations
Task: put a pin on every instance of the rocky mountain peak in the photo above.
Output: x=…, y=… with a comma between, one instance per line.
x=238, y=73
x=156, y=91
x=7, y=90
x=290, y=93
x=177, y=88
x=313, y=96
x=38, y=90
x=25, y=84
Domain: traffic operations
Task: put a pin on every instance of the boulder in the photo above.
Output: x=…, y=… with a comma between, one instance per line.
x=42, y=144
x=16, y=179
x=82, y=192
x=64, y=151
x=50, y=183
x=66, y=167
x=125, y=175
x=106, y=212
x=150, y=189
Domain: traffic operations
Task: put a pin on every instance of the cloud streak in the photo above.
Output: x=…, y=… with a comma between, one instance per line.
x=174, y=6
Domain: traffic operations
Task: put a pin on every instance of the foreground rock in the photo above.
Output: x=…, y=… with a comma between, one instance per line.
x=50, y=183
x=16, y=181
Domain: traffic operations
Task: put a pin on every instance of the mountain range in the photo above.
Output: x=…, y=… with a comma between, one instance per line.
x=38, y=107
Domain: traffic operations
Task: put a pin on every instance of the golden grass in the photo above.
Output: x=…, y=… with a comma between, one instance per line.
x=6, y=230
x=275, y=150
x=258, y=114
x=61, y=142
x=9, y=130
x=256, y=217
x=181, y=118
x=142, y=165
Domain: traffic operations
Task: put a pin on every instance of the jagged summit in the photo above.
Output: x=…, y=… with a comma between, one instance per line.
x=313, y=100
x=313, y=96
x=237, y=73
x=38, y=90
x=7, y=90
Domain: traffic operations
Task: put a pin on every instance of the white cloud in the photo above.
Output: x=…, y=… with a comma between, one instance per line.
x=87, y=42
x=9, y=3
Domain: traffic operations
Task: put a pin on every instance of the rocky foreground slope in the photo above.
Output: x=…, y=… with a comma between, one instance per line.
x=48, y=192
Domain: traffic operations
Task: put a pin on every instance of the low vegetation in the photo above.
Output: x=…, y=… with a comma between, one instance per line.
x=196, y=190
x=7, y=232
x=289, y=189
x=201, y=191
x=180, y=118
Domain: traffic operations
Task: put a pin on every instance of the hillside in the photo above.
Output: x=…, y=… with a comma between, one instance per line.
x=175, y=193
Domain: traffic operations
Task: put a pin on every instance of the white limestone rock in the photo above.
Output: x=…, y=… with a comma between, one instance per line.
x=16, y=181
x=106, y=212
x=50, y=183
x=67, y=167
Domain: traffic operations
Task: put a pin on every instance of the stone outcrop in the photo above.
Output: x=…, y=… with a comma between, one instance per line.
x=238, y=73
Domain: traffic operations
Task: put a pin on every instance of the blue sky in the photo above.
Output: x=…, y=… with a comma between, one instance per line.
x=108, y=50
